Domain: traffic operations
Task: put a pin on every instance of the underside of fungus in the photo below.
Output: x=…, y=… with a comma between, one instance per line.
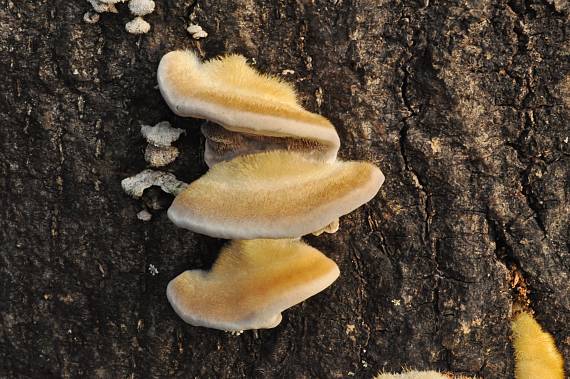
x=250, y=284
x=223, y=144
x=276, y=194
x=228, y=92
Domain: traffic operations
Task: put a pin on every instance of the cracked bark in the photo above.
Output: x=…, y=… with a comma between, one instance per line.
x=464, y=107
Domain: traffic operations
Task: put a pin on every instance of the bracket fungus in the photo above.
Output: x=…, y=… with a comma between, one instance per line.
x=274, y=174
x=276, y=194
x=230, y=93
x=250, y=284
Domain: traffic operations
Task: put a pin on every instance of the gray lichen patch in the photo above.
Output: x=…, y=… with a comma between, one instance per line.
x=91, y=17
x=144, y=215
x=135, y=185
x=160, y=156
x=137, y=26
x=102, y=7
x=162, y=134
x=141, y=7
x=158, y=152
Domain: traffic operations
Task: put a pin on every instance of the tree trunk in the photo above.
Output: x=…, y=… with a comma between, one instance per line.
x=465, y=109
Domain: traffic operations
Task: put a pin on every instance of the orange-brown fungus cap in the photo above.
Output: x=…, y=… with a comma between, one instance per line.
x=230, y=93
x=250, y=284
x=276, y=194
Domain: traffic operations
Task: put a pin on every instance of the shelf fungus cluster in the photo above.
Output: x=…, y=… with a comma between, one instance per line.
x=274, y=177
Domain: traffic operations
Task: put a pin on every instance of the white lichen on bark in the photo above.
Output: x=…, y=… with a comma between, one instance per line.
x=144, y=215
x=91, y=17
x=160, y=156
x=137, y=26
x=196, y=31
x=159, y=151
x=137, y=7
x=141, y=7
x=162, y=134
x=135, y=185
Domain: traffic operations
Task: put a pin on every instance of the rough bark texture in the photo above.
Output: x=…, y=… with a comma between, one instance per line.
x=464, y=107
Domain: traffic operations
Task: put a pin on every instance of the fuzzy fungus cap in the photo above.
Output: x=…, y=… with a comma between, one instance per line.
x=250, y=284
x=229, y=92
x=275, y=194
x=536, y=355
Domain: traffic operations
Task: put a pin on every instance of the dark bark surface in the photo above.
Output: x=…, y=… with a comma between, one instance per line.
x=464, y=107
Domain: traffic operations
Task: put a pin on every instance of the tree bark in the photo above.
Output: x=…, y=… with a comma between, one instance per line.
x=464, y=107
